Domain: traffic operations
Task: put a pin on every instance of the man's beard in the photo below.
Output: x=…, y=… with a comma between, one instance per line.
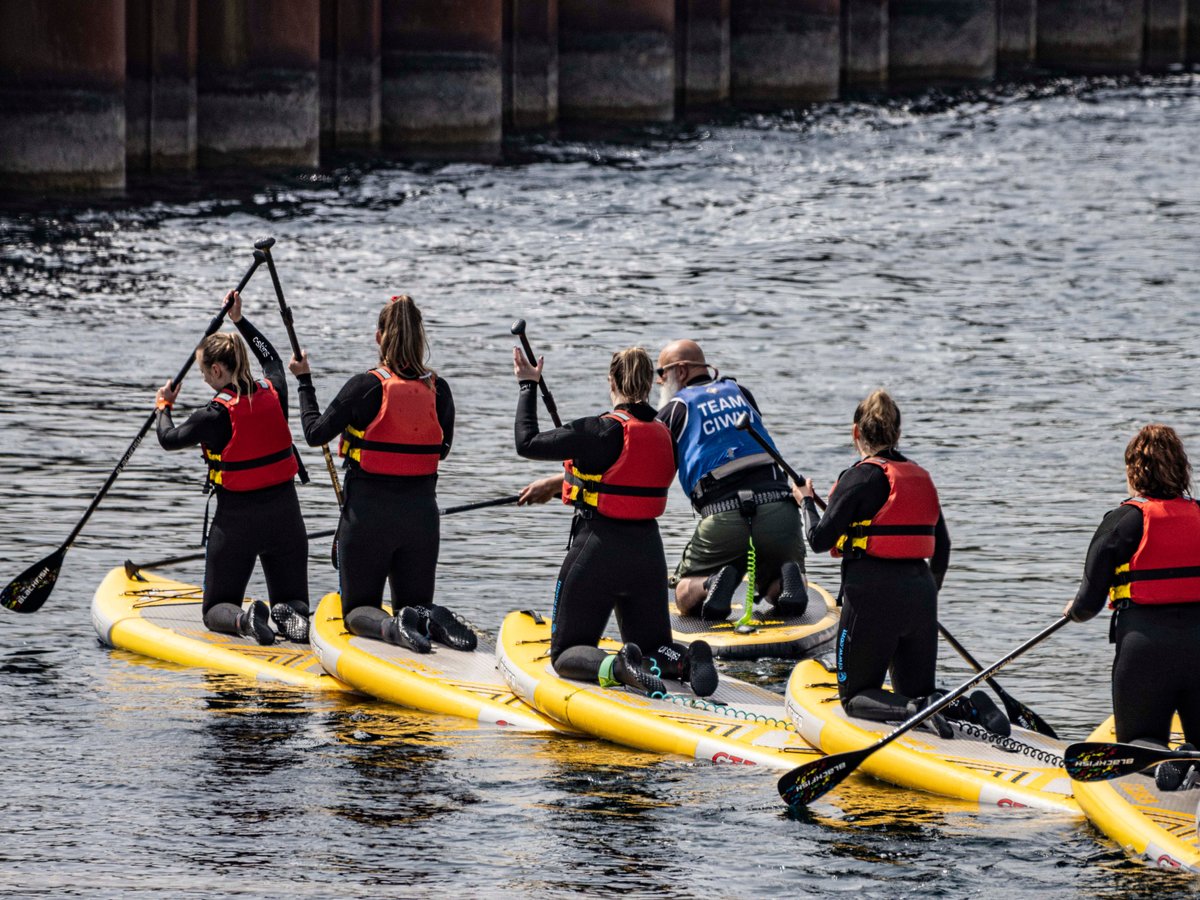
x=669, y=388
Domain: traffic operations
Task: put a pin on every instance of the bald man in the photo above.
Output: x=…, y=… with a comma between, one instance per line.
x=735, y=487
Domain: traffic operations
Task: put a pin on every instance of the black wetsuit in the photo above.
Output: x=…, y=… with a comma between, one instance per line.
x=390, y=526
x=264, y=524
x=1155, y=672
x=611, y=564
x=889, y=606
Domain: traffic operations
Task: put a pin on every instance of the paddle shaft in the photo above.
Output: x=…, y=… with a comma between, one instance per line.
x=547, y=397
x=285, y=313
x=747, y=426
x=1101, y=760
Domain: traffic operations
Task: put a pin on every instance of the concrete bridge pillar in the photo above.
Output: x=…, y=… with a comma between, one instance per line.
x=160, y=84
x=941, y=41
x=1193, y=32
x=62, y=92
x=1016, y=34
x=350, y=73
x=1166, y=34
x=258, y=100
x=784, y=52
x=616, y=61
x=1090, y=35
x=442, y=91
x=864, y=45
x=701, y=54
x=530, y=65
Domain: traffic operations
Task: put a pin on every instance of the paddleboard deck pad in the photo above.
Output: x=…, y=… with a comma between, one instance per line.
x=1158, y=827
x=740, y=723
x=1025, y=770
x=156, y=617
x=784, y=637
x=443, y=681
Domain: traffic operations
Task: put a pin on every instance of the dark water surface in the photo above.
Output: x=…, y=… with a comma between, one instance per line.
x=1019, y=268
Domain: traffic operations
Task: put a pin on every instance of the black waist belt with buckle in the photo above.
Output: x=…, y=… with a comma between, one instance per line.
x=735, y=503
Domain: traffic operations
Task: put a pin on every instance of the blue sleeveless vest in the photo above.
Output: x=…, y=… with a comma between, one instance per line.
x=710, y=441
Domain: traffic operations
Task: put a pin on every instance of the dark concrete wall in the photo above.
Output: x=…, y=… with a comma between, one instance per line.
x=941, y=41
x=784, y=52
x=616, y=61
x=62, y=92
x=258, y=100
x=442, y=91
x=1164, y=43
x=1016, y=34
x=701, y=54
x=530, y=64
x=160, y=84
x=1090, y=35
x=350, y=73
x=1193, y=32
x=864, y=44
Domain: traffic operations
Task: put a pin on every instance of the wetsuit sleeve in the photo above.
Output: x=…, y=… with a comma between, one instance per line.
x=593, y=443
x=750, y=398
x=845, y=505
x=940, y=561
x=209, y=425
x=1114, y=543
x=445, y=415
x=357, y=403
x=674, y=416
x=272, y=365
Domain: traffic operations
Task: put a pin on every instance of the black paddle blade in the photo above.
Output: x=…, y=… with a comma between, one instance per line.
x=1026, y=717
x=806, y=783
x=1100, y=760
x=28, y=591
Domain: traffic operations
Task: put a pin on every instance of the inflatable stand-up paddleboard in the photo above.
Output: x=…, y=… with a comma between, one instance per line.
x=1158, y=827
x=444, y=681
x=156, y=617
x=740, y=723
x=1024, y=770
x=790, y=637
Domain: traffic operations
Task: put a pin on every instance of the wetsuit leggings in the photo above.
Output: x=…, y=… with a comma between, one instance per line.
x=389, y=533
x=612, y=566
x=889, y=621
x=1156, y=672
x=249, y=525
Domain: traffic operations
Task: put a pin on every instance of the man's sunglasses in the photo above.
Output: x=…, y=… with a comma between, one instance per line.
x=662, y=370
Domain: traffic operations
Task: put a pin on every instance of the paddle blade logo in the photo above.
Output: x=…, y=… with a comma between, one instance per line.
x=29, y=590
x=1096, y=761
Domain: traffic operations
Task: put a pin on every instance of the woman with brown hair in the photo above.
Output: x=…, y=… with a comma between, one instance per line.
x=251, y=465
x=396, y=423
x=617, y=470
x=885, y=521
x=1145, y=560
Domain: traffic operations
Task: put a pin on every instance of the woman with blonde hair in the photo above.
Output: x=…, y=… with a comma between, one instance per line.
x=617, y=469
x=884, y=520
x=1145, y=560
x=397, y=424
x=252, y=462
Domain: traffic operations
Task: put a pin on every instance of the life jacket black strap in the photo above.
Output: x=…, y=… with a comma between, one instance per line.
x=889, y=530
x=627, y=490
x=242, y=465
x=357, y=443
x=1157, y=574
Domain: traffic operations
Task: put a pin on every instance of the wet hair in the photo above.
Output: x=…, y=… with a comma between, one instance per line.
x=878, y=421
x=1156, y=463
x=229, y=350
x=403, y=347
x=632, y=373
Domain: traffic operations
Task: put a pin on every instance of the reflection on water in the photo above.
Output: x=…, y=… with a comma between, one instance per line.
x=1016, y=265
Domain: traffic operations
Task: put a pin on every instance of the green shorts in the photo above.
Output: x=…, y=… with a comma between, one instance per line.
x=723, y=539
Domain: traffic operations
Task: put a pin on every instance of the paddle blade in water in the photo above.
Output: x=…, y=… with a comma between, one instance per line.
x=806, y=783
x=28, y=591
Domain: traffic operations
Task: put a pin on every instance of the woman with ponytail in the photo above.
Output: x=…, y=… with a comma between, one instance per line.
x=247, y=445
x=396, y=423
x=617, y=470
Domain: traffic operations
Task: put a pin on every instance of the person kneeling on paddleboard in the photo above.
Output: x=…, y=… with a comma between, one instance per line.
x=618, y=468
x=1145, y=560
x=251, y=466
x=397, y=424
x=885, y=522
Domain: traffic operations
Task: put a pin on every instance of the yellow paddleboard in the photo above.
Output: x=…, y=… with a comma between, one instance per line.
x=740, y=723
x=1156, y=826
x=791, y=637
x=443, y=681
x=1025, y=770
x=161, y=618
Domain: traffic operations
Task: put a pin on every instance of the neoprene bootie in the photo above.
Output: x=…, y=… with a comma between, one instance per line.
x=407, y=629
x=627, y=669
x=699, y=670
x=1170, y=776
x=937, y=722
x=447, y=628
x=793, y=593
x=981, y=710
x=719, y=597
x=255, y=622
x=290, y=622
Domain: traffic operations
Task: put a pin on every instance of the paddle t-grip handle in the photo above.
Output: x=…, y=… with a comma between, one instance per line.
x=264, y=244
x=518, y=328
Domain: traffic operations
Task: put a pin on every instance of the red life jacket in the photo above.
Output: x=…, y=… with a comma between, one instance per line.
x=260, y=452
x=636, y=485
x=905, y=524
x=1165, y=568
x=405, y=437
